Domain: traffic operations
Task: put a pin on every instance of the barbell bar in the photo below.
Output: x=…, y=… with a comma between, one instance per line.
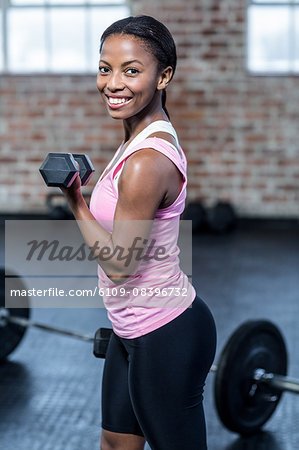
x=279, y=382
x=249, y=379
x=28, y=323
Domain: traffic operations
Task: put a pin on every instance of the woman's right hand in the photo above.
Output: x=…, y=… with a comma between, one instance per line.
x=73, y=193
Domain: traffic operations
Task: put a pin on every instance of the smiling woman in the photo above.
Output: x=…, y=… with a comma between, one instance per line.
x=161, y=349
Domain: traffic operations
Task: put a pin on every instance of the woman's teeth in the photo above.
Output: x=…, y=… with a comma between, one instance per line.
x=116, y=101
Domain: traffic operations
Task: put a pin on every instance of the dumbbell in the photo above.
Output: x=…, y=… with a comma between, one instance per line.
x=60, y=169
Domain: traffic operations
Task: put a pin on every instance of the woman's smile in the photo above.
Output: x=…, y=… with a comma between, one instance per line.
x=117, y=102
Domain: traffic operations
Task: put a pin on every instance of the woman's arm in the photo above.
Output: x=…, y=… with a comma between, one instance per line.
x=143, y=183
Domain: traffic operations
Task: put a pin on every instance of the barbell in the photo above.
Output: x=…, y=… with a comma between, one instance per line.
x=250, y=376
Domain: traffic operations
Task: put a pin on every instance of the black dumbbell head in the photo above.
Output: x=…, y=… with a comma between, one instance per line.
x=86, y=167
x=59, y=169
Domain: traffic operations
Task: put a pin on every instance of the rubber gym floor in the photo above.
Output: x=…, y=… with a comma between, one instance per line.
x=50, y=385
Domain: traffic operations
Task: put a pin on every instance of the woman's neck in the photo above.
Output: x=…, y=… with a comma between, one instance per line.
x=133, y=125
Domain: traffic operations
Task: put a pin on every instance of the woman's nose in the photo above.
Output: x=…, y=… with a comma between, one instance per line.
x=115, y=82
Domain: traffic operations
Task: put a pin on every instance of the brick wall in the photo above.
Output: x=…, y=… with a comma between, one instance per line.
x=239, y=132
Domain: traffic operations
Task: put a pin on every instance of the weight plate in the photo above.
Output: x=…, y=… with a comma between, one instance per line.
x=101, y=341
x=241, y=407
x=86, y=167
x=195, y=211
x=221, y=217
x=11, y=334
x=59, y=169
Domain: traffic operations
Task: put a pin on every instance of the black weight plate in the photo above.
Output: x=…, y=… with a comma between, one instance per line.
x=221, y=217
x=11, y=334
x=59, y=169
x=86, y=167
x=58, y=207
x=195, y=211
x=255, y=344
x=101, y=341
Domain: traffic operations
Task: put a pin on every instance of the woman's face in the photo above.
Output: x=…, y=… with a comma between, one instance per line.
x=128, y=77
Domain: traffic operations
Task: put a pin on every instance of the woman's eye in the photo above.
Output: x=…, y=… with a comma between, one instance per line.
x=103, y=69
x=132, y=71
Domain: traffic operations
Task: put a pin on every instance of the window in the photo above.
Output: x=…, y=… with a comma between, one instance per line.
x=54, y=36
x=273, y=36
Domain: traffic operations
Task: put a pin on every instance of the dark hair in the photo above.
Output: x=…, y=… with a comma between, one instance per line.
x=156, y=37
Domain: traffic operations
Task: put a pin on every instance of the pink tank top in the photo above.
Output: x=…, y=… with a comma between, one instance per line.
x=159, y=291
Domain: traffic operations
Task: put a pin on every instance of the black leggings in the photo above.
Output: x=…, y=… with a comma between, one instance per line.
x=153, y=385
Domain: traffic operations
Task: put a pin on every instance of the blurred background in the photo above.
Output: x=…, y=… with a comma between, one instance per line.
x=234, y=102
x=234, y=99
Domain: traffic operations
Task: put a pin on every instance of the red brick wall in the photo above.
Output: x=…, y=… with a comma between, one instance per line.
x=240, y=132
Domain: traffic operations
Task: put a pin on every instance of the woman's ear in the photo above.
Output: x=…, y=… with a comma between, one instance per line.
x=165, y=78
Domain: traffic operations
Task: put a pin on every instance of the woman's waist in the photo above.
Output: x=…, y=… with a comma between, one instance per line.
x=146, y=273
x=149, y=292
